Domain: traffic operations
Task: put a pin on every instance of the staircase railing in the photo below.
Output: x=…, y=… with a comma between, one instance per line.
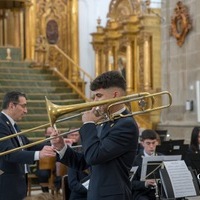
x=69, y=71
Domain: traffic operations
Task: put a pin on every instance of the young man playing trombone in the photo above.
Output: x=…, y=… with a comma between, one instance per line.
x=109, y=148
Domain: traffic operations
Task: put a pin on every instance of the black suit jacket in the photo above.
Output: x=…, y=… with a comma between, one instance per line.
x=110, y=157
x=75, y=179
x=13, y=178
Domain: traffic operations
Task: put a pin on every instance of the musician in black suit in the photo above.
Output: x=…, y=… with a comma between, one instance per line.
x=109, y=149
x=192, y=157
x=13, y=166
x=76, y=178
x=145, y=190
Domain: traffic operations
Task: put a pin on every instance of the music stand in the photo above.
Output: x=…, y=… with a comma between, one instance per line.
x=173, y=149
x=173, y=142
x=152, y=164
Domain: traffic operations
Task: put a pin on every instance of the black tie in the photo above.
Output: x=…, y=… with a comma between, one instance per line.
x=21, y=144
x=18, y=137
x=17, y=128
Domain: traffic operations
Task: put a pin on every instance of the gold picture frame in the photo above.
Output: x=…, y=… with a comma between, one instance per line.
x=180, y=23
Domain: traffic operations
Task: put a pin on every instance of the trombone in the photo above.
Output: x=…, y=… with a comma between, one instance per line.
x=145, y=100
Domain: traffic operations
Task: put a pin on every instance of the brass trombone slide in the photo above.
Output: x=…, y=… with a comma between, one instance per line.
x=36, y=142
x=38, y=127
x=55, y=111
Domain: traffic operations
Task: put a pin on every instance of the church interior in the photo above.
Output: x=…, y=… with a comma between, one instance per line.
x=53, y=49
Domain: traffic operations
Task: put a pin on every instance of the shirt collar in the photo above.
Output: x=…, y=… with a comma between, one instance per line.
x=147, y=155
x=10, y=119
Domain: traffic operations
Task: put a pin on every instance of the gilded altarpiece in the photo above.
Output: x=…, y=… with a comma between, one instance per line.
x=130, y=42
x=38, y=23
x=57, y=24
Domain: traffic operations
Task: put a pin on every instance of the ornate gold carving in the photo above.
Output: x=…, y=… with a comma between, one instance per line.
x=136, y=6
x=119, y=10
x=180, y=23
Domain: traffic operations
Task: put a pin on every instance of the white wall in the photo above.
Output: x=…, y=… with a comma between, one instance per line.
x=89, y=12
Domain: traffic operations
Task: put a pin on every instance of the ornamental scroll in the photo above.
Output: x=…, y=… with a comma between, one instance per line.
x=180, y=23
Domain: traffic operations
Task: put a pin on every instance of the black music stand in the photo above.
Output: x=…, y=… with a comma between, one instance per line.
x=152, y=164
x=173, y=149
x=151, y=169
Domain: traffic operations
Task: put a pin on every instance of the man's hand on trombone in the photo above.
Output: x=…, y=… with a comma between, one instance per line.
x=57, y=141
x=95, y=115
x=47, y=151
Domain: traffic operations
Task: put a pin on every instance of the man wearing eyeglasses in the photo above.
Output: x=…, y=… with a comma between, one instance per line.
x=14, y=166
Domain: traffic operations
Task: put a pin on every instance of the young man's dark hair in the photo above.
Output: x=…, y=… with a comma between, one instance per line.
x=109, y=79
x=12, y=96
x=148, y=134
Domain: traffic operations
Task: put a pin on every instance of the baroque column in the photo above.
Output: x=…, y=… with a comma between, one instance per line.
x=129, y=68
x=27, y=27
x=74, y=37
x=97, y=58
x=147, y=62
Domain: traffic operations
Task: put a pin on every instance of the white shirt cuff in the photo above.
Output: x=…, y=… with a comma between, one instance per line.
x=36, y=155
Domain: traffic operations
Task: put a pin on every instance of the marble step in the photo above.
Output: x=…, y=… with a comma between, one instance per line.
x=10, y=53
x=11, y=76
x=35, y=83
x=24, y=70
x=33, y=90
x=67, y=124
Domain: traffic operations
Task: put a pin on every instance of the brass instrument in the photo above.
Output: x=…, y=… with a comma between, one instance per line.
x=38, y=127
x=146, y=103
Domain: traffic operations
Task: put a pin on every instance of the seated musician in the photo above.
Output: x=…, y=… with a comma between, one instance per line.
x=76, y=179
x=192, y=157
x=144, y=190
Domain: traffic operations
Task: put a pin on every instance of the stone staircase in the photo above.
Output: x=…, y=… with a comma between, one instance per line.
x=37, y=83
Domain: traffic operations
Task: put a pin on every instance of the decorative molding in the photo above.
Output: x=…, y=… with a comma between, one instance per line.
x=119, y=10
x=180, y=23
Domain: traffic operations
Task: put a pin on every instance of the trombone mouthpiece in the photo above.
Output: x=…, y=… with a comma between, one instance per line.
x=97, y=112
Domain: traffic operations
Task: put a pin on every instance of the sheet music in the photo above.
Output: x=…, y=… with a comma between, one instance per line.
x=155, y=158
x=86, y=184
x=181, y=178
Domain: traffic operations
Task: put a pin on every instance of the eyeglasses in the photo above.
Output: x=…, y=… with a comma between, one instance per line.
x=22, y=105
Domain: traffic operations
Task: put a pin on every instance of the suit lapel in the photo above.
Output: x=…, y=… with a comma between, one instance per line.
x=11, y=129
